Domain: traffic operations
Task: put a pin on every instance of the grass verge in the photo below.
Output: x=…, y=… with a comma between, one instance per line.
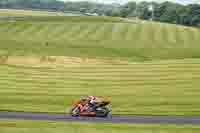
x=19, y=126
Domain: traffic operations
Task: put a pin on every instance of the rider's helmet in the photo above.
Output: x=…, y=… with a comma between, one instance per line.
x=85, y=100
x=94, y=100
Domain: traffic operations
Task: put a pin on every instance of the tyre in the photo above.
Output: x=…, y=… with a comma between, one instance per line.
x=109, y=115
x=75, y=112
x=103, y=112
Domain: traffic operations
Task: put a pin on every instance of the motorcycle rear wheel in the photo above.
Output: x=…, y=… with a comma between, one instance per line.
x=75, y=112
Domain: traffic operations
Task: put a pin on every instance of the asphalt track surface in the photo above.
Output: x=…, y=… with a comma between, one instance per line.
x=114, y=119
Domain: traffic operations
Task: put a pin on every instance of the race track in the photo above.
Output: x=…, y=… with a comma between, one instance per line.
x=115, y=119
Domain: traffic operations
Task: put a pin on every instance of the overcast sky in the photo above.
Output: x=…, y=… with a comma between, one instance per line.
x=124, y=1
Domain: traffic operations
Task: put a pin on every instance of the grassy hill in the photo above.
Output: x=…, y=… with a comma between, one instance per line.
x=98, y=37
x=47, y=62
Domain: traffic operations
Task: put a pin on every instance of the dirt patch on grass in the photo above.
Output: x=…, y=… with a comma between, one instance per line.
x=7, y=125
x=3, y=59
x=55, y=61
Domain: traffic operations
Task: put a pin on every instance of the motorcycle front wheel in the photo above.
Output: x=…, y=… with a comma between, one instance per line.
x=103, y=112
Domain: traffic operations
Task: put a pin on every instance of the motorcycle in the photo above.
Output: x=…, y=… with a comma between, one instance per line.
x=100, y=109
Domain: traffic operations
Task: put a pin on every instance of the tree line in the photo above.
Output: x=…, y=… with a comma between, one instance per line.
x=33, y=4
x=169, y=12
x=164, y=12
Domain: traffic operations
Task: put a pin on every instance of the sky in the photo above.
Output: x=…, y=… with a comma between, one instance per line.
x=124, y=1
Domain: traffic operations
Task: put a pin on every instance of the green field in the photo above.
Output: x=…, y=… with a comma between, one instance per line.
x=150, y=88
x=144, y=68
x=98, y=37
x=8, y=126
x=13, y=12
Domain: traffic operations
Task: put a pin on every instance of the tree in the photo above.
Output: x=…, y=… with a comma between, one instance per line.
x=194, y=13
x=143, y=10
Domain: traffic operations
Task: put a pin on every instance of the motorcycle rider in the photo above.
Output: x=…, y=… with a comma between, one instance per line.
x=89, y=103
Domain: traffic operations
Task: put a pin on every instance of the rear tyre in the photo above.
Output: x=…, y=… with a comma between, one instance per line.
x=75, y=112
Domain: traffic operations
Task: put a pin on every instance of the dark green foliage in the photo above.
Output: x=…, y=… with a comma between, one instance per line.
x=33, y=4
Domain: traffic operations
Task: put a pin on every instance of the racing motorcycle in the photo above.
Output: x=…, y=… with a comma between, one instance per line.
x=100, y=109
